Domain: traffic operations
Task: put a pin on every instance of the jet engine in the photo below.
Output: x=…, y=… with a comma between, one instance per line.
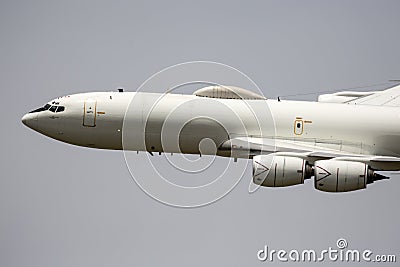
x=343, y=176
x=279, y=171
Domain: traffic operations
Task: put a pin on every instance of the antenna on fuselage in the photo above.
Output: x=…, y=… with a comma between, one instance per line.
x=121, y=90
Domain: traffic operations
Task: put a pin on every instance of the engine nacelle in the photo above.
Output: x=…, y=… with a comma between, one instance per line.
x=279, y=171
x=343, y=176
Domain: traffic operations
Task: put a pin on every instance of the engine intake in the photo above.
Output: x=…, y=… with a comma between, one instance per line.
x=343, y=176
x=279, y=171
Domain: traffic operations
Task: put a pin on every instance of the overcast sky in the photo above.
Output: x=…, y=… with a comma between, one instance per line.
x=62, y=205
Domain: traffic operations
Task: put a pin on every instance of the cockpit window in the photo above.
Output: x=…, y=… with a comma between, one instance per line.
x=46, y=107
x=49, y=107
x=53, y=108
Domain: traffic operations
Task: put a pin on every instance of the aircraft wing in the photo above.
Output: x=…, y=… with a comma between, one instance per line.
x=389, y=97
x=253, y=146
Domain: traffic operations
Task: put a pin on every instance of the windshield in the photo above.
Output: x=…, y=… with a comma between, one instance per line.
x=52, y=108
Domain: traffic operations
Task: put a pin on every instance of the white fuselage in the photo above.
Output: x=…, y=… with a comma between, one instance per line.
x=137, y=121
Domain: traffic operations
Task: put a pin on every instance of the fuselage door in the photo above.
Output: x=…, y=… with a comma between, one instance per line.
x=298, y=126
x=89, y=113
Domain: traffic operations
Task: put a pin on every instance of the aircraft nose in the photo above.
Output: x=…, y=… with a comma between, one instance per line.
x=30, y=120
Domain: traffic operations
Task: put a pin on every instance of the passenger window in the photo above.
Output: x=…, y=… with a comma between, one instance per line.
x=60, y=109
x=53, y=108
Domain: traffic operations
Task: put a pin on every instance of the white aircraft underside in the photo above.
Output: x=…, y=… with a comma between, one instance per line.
x=341, y=140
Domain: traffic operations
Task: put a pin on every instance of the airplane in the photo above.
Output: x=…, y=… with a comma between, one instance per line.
x=342, y=140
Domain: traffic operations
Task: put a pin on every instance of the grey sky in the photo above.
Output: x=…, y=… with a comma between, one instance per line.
x=62, y=205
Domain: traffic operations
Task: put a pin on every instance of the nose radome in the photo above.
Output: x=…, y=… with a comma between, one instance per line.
x=30, y=120
x=24, y=119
